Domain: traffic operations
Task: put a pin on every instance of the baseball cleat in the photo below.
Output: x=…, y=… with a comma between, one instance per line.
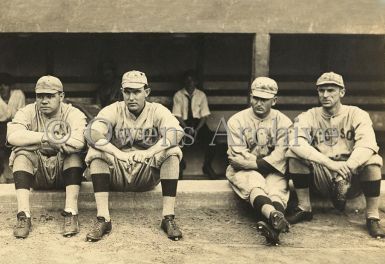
x=101, y=227
x=23, y=226
x=169, y=226
x=271, y=235
x=71, y=224
x=278, y=222
x=374, y=228
x=299, y=215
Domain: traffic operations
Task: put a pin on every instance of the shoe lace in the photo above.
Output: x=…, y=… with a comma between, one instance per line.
x=67, y=220
x=22, y=221
x=172, y=224
x=275, y=218
x=375, y=223
x=97, y=226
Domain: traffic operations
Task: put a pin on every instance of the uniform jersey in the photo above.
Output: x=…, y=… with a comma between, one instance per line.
x=337, y=135
x=142, y=132
x=128, y=132
x=199, y=104
x=48, y=161
x=30, y=118
x=264, y=138
x=15, y=102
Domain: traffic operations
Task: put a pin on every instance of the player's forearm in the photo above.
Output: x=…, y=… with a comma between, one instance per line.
x=75, y=144
x=202, y=121
x=181, y=121
x=162, y=144
x=359, y=156
x=265, y=167
x=25, y=138
x=173, y=136
x=105, y=146
x=307, y=152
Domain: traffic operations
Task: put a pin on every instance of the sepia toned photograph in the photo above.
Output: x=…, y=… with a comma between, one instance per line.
x=192, y=131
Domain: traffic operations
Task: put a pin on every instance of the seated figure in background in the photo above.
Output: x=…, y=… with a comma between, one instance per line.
x=190, y=107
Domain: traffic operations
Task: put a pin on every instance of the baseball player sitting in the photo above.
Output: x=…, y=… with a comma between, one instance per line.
x=191, y=108
x=334, y=147
x=134, y=145
x=47, y=137
x=258, y=140
x=11, y=100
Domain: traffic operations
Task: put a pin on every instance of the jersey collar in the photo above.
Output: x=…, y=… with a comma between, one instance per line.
x=184, y=91
x=340, y=111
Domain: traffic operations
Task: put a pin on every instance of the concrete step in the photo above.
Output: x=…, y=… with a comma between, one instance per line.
x=216, y=194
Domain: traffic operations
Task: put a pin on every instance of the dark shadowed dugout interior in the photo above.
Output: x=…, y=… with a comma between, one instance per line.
x=225, y=63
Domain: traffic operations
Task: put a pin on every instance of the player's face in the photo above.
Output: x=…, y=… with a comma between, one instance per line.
x=135, y=98
x=49, y=103
x=190, y=84
x=330, y=95
x=262, y=106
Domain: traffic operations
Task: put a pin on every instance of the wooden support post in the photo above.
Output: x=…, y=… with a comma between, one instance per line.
x=261, y=55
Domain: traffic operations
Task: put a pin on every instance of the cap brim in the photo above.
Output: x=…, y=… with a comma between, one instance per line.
x=263, y=95
x=132, y=85
x=330, y=82
x=45, y=90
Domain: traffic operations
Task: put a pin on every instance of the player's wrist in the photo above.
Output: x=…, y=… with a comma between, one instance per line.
x=44, y=138
x=352, y=163
x=328, y=163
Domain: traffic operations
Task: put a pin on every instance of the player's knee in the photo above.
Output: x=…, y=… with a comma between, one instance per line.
x=255, y=192
x=171, y=161
x=371, y=173
x=296, y=166
x=22, y=163
x=174, y=152
x=98, y=166
x=169, y=168
x=72, y=160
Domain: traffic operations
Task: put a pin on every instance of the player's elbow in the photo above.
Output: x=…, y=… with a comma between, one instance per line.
x=77, y=146
x=92, y=136
x=296, y=149
x=14, y=139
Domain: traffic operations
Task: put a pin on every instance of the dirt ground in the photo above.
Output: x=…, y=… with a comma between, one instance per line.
x=210, y=236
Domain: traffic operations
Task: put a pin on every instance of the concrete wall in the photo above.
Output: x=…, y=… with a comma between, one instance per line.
x=242, y=16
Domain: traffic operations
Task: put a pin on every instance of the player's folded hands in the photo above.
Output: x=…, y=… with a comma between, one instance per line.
x=342, y=168
x=141, y=155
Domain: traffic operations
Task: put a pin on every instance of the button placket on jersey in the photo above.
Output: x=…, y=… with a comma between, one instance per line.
x=332, y=128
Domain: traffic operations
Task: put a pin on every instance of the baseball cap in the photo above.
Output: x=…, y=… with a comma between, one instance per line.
x=48, y=84
x=331, y=78
x=134, y=79
x=264, y=87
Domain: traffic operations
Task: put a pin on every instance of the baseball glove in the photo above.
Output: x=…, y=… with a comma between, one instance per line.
x=331, y=185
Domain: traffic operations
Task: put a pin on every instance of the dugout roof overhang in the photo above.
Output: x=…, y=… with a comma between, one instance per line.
x=194, y=16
